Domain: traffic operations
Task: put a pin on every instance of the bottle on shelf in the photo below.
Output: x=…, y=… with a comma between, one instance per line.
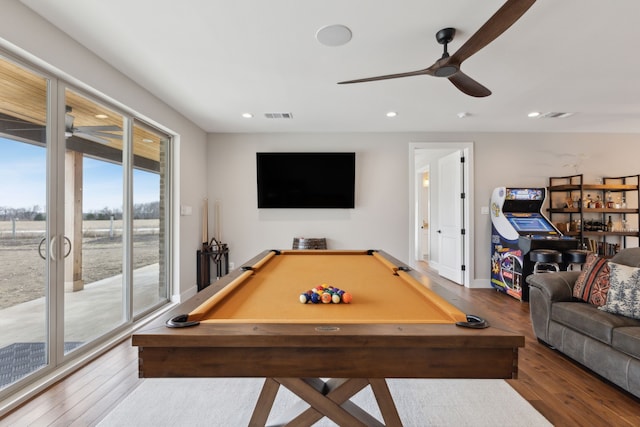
x=610, y=203
x=609, y=224
x=587, y=201
x=598, y=203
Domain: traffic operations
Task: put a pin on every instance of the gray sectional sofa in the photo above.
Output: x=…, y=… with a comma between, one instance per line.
x=606, y=343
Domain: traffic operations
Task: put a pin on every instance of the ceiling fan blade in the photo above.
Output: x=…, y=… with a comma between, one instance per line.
x=99, y=128
x=469, y=86
x=91, y=137
x=103, y=134
x=504, y=18
x=426, y=71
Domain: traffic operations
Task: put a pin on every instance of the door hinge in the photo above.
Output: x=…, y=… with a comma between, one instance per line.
x=463, y=267
x=463, y=195
x=462, y=159
x=463, y=231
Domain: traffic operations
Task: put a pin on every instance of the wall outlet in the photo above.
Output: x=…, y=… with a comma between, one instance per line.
x=232, y=266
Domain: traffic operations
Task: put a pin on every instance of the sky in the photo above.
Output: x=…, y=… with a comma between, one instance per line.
x=23, y=178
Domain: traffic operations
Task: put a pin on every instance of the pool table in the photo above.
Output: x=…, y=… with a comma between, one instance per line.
x=252, y=323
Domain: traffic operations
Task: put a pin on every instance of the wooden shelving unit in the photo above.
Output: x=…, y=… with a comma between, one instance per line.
x=583, y=210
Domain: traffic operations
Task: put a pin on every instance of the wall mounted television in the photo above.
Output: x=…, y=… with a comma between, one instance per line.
x=306, y=180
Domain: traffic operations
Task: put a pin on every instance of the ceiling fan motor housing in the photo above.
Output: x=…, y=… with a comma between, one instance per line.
x=445, y=35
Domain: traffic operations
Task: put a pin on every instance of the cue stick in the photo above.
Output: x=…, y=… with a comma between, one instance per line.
x=204, y=254
x=205, y=224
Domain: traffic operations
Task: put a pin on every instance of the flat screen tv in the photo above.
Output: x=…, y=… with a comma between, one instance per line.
x=306, y=180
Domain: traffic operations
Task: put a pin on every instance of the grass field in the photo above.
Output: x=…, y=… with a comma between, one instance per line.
x=22, y=271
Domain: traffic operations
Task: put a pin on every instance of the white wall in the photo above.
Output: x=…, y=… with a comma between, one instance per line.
x=381, y=216
x=380, y=219
x=25, y=34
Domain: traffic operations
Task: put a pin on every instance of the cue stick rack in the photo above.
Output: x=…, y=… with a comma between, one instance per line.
x=216, y=252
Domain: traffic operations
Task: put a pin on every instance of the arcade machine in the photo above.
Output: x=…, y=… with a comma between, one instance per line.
x=518, y=227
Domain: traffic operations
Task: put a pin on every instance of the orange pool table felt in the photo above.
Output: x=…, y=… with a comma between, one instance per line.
x=270, y=291
x=252, y=324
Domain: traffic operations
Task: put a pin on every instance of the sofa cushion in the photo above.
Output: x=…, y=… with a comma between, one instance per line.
x=589, y=320
x=628, y=256
x=624, y=293
x=593, y=283
x=627, y=340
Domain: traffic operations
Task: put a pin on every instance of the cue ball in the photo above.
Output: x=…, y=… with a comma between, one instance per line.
x=304, y=298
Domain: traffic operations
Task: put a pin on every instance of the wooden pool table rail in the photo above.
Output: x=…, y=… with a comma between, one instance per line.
x=308, y=350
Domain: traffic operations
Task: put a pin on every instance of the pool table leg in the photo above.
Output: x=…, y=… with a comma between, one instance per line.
x=326, y=399
x=319, y=395
x=264, y=403
x=385, y=402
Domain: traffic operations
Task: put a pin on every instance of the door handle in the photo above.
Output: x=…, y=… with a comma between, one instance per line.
x=67, y=241
x=44, y=239
x=51, y=247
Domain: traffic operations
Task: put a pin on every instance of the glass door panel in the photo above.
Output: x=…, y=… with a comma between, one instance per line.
x=23, y=223
x=94, y=248
x=149, y=218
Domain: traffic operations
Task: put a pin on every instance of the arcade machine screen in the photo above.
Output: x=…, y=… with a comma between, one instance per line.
x=530, y=223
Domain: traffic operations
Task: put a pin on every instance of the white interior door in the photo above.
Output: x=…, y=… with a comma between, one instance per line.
x=451, y=217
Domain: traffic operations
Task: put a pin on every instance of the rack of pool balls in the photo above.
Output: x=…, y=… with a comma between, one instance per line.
x=325, y=294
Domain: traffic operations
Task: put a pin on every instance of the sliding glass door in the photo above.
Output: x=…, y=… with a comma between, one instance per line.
x=84, y=218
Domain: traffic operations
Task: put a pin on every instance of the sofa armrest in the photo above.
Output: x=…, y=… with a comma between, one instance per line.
x=544, y=290
x=555, y=286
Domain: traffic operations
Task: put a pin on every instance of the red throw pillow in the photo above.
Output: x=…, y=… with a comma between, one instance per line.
x=593, y=283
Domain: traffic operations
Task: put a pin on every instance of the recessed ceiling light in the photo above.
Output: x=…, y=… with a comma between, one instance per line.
x=247, y=115
x=101, y=116
x=463, y=115
x=533, y=114
x=392, y=114
x=333, y=35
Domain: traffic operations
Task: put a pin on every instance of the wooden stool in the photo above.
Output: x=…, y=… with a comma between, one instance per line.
x=575, y=258
x=546, y=260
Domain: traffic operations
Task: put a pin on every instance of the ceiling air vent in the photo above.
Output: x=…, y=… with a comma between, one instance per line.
x=555, y=115
x=278, y=115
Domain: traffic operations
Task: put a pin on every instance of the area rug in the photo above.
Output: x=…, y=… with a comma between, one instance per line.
x=229, y=402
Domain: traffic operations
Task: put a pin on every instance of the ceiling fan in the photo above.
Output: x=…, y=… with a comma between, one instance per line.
x=100, y=134
x=449, y=66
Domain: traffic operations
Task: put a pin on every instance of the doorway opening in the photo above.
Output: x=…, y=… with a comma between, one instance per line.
x=441, y=214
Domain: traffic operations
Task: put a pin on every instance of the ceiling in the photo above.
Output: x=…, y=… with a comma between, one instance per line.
x=213, y=60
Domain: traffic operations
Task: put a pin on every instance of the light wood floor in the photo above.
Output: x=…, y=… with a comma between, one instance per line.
x=564, y=392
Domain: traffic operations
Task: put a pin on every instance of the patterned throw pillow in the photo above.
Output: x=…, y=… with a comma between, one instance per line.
x=624, y=293
x=593, y=283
